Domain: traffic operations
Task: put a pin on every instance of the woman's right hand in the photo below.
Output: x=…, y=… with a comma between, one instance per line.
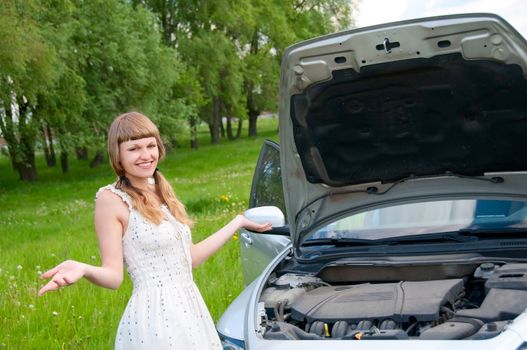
x=62, y=275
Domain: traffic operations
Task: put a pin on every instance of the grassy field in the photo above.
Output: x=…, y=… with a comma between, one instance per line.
x=46, y=222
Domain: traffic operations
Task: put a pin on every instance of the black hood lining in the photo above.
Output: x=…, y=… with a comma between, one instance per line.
x=418, y=117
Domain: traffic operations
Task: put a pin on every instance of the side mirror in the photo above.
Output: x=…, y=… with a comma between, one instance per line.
x=270, y=214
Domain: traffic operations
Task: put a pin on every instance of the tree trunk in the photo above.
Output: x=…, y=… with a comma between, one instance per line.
x=230, y=134
x=193, y=133
x=27, y=168
x=239, y=131
x=97, y=160
x=81, y=153
x=64, y=164
x=53, y=159
x=45, y=147
x=249, y=87
x=253, y=118
x=222, y=128
x=214, y=126
x=8, y=132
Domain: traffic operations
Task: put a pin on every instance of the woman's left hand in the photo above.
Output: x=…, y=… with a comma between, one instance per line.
x=253, y=226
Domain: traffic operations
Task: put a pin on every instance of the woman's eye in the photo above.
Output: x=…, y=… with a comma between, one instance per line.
x=152, y=146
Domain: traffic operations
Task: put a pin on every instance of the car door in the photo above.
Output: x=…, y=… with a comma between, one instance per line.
x=258, y=249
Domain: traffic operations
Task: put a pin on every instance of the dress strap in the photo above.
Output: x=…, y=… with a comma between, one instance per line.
x=123, y=195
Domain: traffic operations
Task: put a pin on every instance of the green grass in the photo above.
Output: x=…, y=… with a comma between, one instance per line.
x=46, y=222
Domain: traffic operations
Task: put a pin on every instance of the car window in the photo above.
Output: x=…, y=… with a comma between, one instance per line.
x=428, y=217
x=267, y=182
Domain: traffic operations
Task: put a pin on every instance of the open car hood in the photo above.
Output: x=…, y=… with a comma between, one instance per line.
x=429, y=108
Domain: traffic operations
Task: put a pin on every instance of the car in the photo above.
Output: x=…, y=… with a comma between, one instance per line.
x=397, y=194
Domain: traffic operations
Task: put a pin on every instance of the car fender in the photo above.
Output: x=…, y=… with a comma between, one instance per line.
x=234, y=320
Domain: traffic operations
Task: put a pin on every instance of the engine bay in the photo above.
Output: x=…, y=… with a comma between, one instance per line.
x=469, y=301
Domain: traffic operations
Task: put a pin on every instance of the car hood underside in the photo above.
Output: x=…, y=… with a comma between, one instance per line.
x=431, y=106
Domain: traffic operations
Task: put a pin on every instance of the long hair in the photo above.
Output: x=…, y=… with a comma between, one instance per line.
x=133, y=126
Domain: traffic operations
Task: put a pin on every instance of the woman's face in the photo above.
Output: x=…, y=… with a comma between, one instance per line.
x=139, y=158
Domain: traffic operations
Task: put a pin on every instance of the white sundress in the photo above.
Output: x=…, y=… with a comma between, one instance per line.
x=166, y=310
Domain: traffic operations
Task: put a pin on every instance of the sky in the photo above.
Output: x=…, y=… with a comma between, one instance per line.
x=381, y=11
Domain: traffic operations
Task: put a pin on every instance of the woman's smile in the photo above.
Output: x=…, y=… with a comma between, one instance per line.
x=139, y=158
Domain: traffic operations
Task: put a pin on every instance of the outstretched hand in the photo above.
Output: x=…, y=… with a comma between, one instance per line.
x=62, y=275
x=253, y=226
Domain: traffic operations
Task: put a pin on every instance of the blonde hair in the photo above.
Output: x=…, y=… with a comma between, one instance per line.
x=134, y=126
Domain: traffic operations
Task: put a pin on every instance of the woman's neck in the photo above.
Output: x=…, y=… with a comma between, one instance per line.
x=140, y=183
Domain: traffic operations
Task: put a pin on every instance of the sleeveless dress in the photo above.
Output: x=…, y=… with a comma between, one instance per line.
x=166, y=310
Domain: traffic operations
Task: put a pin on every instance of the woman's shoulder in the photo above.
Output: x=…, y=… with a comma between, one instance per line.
x=110, y=194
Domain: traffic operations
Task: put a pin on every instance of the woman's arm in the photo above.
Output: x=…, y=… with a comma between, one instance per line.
x=111, y=217
x=202, y=250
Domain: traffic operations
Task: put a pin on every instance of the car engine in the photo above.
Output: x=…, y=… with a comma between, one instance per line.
x=476, y=306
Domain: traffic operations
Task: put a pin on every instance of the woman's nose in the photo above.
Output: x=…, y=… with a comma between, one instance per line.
x=145, y=153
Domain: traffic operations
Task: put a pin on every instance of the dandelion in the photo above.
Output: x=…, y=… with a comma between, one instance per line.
x=235, y=237
x=19, y=267
x=55, y=313
x=225, y=198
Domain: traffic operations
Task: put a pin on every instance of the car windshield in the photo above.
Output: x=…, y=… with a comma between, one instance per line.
x=428, y=218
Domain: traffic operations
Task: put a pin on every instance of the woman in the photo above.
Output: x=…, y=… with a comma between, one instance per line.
x=139, y=219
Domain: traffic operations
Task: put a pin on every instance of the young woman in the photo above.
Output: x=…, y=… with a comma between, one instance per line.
x=139, y=219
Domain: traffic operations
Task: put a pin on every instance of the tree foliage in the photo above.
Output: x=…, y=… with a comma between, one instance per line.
x=67, y=67
x=235, y=47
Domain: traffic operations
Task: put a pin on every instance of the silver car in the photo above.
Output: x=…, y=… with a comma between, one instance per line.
x=398, y=194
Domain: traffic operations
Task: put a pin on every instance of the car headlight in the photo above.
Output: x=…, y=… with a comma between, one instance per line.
x=229, y=343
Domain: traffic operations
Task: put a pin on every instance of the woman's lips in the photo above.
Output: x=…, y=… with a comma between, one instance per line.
x=145, y=165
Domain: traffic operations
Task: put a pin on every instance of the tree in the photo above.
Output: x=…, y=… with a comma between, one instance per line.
x=124, y=66
x=235, y=46
x=277, y=25
x=66, y=69
x=27, y=69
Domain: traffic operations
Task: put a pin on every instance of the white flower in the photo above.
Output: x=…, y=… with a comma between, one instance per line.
x=93, y=257
x=37, y=267
x=22, y=316
x=19, y=267
x=39, y=272
x=31, y=306
x=55, y=313
x=11, y=277
x=80, y=317
x=52, y=255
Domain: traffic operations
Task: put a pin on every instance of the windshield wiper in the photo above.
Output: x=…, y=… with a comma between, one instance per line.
x=463, y=235
x=478, y=231
x=343, y=242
